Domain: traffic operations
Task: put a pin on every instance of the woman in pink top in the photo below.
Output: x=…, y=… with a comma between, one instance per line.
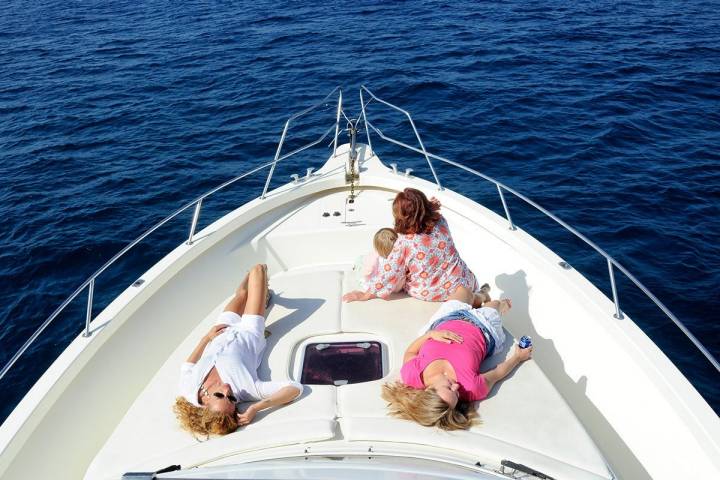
x=424, y=256
x=441, y=369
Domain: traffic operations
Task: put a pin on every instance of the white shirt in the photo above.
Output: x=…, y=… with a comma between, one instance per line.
x=236, y=354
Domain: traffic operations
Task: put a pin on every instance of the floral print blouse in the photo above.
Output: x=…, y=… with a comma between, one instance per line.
x=429, y=263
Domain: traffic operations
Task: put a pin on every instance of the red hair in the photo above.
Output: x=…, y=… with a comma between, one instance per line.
x=414, y=213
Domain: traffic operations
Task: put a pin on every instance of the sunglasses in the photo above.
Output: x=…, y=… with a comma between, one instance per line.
x=230, y=397
x=222, y=395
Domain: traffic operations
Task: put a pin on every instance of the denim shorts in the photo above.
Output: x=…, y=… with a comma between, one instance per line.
x=467, y=316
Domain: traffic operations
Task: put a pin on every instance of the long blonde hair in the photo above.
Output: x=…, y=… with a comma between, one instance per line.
x=203, y=421
x=426, y=407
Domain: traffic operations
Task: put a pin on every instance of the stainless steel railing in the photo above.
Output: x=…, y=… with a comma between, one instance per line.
x=611, y=262
x=412, y=124
x=89, y=284
x=197, y=204
x=295, y=117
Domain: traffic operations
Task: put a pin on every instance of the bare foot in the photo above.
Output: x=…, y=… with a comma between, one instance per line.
x=502, y=306
x=484, y=294
x=505, y=306
x=480, y=299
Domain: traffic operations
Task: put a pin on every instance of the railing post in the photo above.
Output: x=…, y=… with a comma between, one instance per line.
x=618, y=314
x=88, y=313
x=337, y=123
x=422, y=146
x=367, y=131
x=507, y=212
x=277, y=155
x=412, y=124
x=193, y=225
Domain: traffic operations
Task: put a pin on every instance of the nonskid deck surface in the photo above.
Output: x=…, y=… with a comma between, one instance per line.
x=310, y=257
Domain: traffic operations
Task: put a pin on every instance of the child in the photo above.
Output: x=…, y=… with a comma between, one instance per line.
x=366, y=267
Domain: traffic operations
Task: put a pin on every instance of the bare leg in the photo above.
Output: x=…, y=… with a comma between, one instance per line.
x=475, y=299
x=464, y=295
x=501, y=306
x=237, y=303
x=257, y=291
x=479, y=298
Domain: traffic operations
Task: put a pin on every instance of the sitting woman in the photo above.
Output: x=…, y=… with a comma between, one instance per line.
x=424, y=256
x=222, y=370
x=441, y=369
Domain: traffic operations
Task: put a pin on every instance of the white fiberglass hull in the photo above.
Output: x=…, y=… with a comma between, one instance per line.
x=103, y=408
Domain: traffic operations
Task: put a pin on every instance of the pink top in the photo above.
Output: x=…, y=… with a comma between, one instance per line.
x=465, y=358
x=429, y=263
x=370, y=264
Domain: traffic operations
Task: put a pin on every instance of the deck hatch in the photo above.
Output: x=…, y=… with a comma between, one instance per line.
x=341, y=363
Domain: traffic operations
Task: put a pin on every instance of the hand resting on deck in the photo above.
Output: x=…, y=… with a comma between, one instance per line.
x=440, y=376
x=222, y=369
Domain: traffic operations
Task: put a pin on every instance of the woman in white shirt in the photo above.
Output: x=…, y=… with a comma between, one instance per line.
x=222, y=370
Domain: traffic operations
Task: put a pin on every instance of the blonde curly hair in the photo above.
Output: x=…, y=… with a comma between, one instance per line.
x=203, y=421
x=427, y=408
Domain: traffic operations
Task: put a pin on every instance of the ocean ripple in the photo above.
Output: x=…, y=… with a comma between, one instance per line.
x=113, y=115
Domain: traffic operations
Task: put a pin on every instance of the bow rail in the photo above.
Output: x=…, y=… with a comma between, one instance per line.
x=611, y=262
x=287, y=126
x=89, y=284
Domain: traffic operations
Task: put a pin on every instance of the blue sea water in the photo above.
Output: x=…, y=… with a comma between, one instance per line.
x=113, y=114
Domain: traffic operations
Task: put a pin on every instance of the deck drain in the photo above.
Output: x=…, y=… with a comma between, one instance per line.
x=565, y=265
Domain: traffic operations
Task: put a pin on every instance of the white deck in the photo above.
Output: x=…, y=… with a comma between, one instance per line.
x=543, y=432
x=104, y=407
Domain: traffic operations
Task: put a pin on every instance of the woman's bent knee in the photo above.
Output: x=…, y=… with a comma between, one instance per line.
x=258, y=270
